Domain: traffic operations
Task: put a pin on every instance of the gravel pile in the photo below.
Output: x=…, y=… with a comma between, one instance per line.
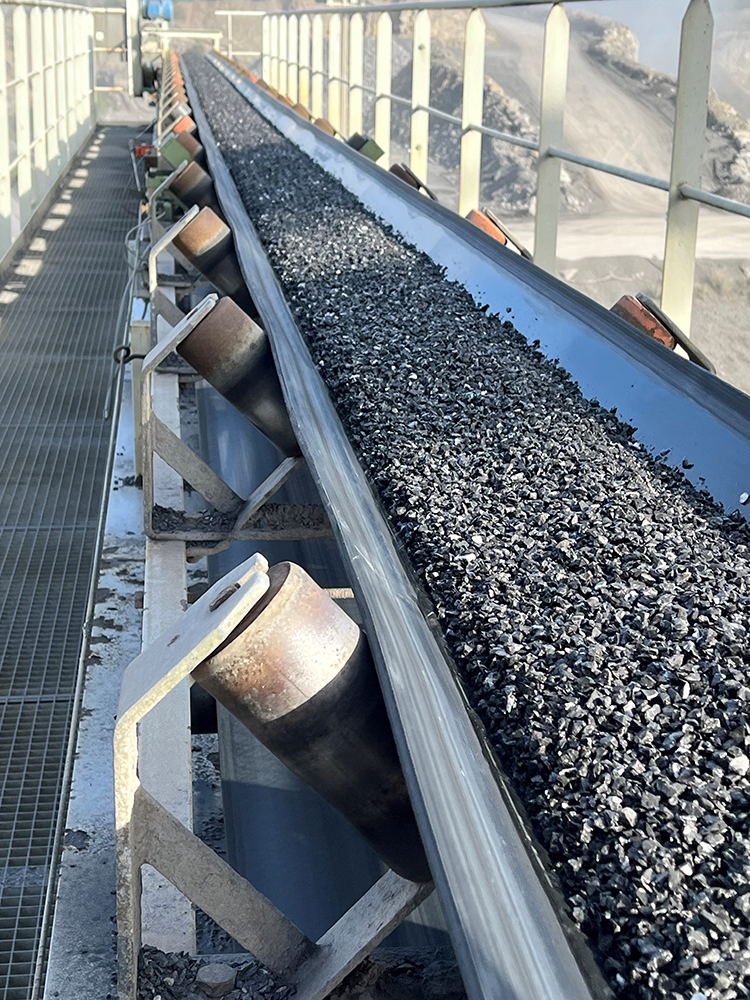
x=173, y=977
x=595, y=603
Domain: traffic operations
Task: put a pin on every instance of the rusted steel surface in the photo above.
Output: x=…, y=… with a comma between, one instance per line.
x=486, y=225
x=325, y=126
x=635, y=313
x=191, y=145
x=185, y=124
x=207, y=242
x=195, y=187
x=298, y=673
x=233, y=354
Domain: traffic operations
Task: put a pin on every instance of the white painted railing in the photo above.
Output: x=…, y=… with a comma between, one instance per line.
x=47, y=99
x=303, y=73
x=46, y=81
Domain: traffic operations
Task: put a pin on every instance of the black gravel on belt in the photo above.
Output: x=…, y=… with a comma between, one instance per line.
x=595, y=603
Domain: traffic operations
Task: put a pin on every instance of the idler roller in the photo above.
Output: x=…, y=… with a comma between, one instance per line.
x=207, y=243
x=191, y=146
x=298, y=673
x=486, y=224
x=325, y=126
x=233, y=354
x=195, y=187
x=185, y=124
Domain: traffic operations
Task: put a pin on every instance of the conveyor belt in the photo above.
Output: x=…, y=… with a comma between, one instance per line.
x=594, y=600
x=58, y=306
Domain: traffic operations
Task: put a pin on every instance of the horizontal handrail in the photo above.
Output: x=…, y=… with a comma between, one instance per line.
x=302, y=73
x=715, y=200
x=45, y=3
x=401, y=5
x=515, y=140
x=610, y=168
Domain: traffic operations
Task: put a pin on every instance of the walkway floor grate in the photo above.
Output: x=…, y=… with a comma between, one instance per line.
x=58, y=308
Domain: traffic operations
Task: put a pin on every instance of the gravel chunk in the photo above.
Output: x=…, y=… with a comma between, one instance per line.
x=216, y=979
x=595, y=603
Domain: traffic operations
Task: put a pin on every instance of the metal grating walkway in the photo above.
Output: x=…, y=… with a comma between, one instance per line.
x=58, y=309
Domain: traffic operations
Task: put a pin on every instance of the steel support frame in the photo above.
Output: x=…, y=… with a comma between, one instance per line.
x=160, y=304
x=289, y=522
x=148, y=833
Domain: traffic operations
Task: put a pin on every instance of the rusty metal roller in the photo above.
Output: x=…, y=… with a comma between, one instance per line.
x=191, y=146
x=233, y=354
x=207, y=243
x=185, y=124
x=195, y=187
x=298, y=673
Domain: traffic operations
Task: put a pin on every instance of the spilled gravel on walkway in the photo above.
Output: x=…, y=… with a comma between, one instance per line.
x=595, y=603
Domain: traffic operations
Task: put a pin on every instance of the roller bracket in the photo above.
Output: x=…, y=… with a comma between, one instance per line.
x=231, y=517
x=147, y=833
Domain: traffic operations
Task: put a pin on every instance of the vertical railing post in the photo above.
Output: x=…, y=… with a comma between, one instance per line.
x=39, y=117
x=318, y=70
x=293, y=59
x=70, y=76
x=420, y=95
x=283, y=83
x=304, y=61
x=81, y=67
x=265, y=48
x=334, y=71
x=91, y=77
x=687, y=159
x=51, y=138
x=230, y=39
x=6, y=206
x=61, y=87
x=470, y=172
x=383, y=84
x=274, y=81
x=23, y=112
x=356, y=71
x=551, y=118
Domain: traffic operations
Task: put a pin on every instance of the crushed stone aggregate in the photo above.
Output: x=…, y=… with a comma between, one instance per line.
x=171, y=976
x=595, y=603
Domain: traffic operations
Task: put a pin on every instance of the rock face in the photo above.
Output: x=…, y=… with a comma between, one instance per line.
x=508, y=172
x=727, y=157
x=618, y=110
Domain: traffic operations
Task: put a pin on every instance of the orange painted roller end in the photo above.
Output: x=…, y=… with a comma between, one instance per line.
x=486, y=224
x=635, y=313
x=325, y=126
x=302, y=111
x=285, y=100
x=185, y=124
